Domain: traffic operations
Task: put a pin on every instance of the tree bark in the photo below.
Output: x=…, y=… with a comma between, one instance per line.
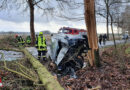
x=113, y=31
x=49, y=82
x=107, y=21
x=90, y=20
x=32, y=31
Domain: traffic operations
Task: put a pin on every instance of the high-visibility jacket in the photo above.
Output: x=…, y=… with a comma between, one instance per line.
x=28, y=40
x=41, y=43
x=21, y=40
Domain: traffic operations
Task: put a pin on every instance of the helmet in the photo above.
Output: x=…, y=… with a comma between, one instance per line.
x=40, y=33
x=16, y=35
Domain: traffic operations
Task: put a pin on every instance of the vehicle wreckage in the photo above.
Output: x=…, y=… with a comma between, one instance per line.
x=66, y=50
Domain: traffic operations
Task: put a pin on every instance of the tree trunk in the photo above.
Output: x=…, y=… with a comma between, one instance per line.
x=32, y=31
x=118, y=27
x=107, y=21
x=113, y=31
x=90, y=20
x=107, y=26
x=118, y=30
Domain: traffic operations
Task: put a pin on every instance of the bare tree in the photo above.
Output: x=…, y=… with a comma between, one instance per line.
x=124, y=21
x=31, y=7
x=111, y=17
x=25, y=5
x=104, y=7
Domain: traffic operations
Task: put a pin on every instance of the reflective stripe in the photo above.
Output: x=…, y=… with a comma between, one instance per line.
x=41, y=43
x=28, y=39
x=43, y=56
x=42, y=49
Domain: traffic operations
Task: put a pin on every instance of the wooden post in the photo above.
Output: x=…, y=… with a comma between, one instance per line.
x=90, y=20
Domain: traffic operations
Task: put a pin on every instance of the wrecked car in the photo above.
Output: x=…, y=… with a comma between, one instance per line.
x=66, y=51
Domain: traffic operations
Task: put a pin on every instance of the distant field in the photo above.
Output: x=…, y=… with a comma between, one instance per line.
x=5, y=36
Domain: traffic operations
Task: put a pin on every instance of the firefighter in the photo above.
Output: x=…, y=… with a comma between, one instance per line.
x=41, y=46
x=28, y=40
x=21, y=41
x=17, y=38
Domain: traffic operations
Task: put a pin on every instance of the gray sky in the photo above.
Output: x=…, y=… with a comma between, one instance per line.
x=16, y=20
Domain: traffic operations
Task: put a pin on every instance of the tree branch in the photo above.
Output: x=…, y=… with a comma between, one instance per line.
x=101, y=15
x=37, y=2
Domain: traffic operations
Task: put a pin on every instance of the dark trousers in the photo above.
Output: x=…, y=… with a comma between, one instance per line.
x=42, y=54
x=104, y=41
x=100, y=41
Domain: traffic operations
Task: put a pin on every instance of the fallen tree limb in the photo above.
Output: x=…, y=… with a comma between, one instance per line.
x=10, y=49
x=34, y=80
x=16, y=72
x=45, y=76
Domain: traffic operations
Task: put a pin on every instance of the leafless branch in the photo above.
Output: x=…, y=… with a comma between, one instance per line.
x=37, y=2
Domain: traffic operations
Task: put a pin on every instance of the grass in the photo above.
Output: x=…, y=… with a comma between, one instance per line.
x=7, y=41
x=127, y=51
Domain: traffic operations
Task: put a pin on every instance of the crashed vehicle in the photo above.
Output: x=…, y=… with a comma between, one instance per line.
x=66, y=50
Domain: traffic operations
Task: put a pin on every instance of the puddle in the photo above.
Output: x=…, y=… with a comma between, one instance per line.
x=11, y=55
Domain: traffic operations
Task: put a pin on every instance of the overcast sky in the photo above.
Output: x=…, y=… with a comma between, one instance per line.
x=17, y=21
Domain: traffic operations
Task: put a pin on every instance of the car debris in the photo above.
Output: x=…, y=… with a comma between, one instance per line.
x=66, y=52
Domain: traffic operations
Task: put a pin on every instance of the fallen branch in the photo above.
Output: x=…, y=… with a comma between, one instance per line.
x=34, y=80
x=45, y=76
x=26, y=69
x=23, y=74
x=10, y=49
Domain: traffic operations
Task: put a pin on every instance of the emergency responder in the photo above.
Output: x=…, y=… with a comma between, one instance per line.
x=28, y=40
x=41, y=46
x=21, y=41
x=17, y=38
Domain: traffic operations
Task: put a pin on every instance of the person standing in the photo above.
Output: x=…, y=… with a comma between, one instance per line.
x=28, y=40
x=100, y=39
x=17, y=38
x=104, y=39
x=41, y=46
x=21, y=41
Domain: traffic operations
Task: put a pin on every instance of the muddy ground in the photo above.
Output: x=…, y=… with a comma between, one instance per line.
x=114, y=73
